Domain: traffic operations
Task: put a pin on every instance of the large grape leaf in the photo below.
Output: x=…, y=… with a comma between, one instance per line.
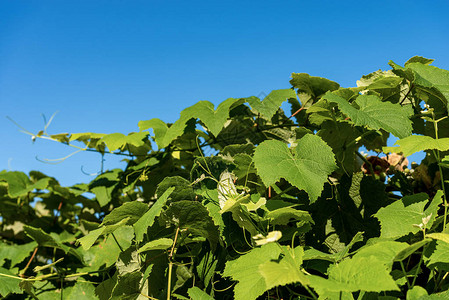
x=416, y=143
x=271, y=103
x=404, y=216
x=245, y=269
x=355, y=274
x=307, y=167
x=370, y=111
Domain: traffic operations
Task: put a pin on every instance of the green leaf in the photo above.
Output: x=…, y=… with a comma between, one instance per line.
x=416, y=143
x=88, y=240
x=409, y=250
x=20, y=185
x=183, y=188
x=439, y=236
x=128, y=262
x=214, y=120
x=429, y=77
x=439, y=255
x=416, y=293
x=8, y=285
x=159, y=244
x=419, y=59
x=17, y=183
x=271, y=103
x=384, y=251
x=194, y=217
x=105, y=288
x=15, y=253
x=128, y=286
x=311, y=88
x=197, y=294
x=107, y=252
x=307, y=167
x=401, y=217
x=81, y=290
x=355, y=274
x=132, y=210
x=284, y=215
x=245, y=269
x=147, y=220
x=116, y=141
x=285, y=271
x=370, y=111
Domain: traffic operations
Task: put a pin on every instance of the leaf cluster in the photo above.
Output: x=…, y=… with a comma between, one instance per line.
x=248, y=201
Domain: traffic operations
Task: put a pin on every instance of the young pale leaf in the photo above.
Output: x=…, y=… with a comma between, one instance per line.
x=306, y=168
x=416, y=143
x=226, y=188
x=370, y=111
x=147, y=220
x=398, y=219
x=271, y=103
x=245, y=269
x=271, y=237
x=355, y=274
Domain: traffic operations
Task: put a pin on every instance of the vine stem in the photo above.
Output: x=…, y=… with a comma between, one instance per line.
x=29, y=262
x=417, y=269
x=437, y=154
x=170, y=264
x=405, y=274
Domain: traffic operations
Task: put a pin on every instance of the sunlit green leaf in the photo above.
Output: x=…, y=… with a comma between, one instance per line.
x=370, y=111
x=307, y=167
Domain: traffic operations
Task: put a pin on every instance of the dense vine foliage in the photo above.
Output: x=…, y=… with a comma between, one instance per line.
x=247, y=201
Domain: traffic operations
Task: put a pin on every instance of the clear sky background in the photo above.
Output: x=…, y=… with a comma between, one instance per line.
x=105, y=65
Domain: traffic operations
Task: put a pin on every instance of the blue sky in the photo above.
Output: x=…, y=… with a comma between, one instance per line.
x=105, y=65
